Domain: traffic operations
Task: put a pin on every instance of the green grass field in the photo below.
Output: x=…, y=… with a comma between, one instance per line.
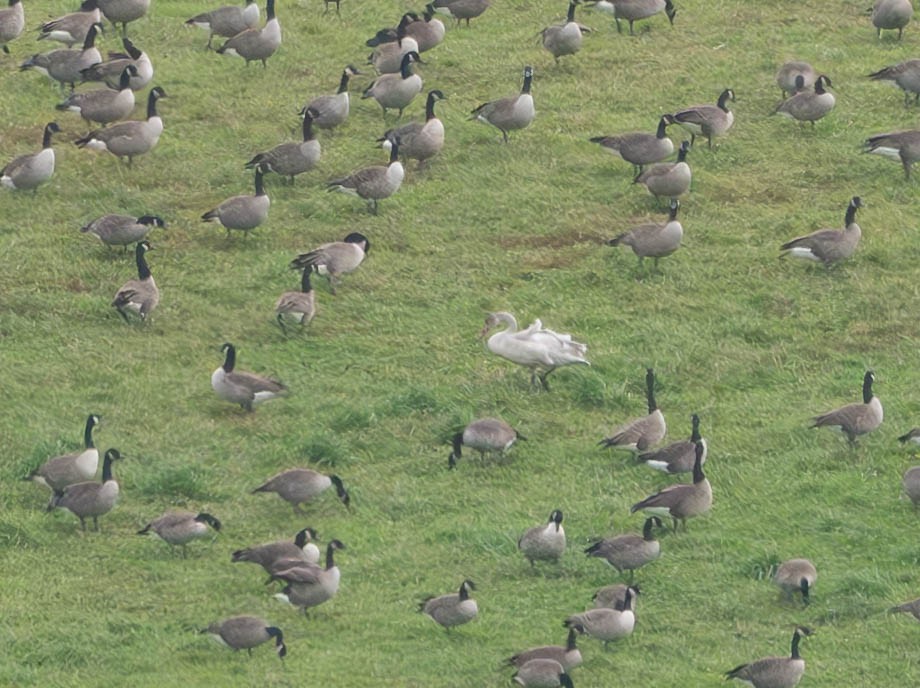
x=390, y=368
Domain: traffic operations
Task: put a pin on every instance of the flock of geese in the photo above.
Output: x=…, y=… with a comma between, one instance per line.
x=296, y=562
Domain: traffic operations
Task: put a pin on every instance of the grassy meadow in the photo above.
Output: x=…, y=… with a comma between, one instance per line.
x=390, y=368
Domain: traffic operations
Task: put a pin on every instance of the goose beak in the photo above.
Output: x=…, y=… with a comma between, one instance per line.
x=483, y=332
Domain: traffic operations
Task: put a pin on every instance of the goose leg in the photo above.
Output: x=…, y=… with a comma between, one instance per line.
x=281, y=322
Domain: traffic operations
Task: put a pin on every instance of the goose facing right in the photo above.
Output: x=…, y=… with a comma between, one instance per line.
x=453, y=609
x=396, y=91
x=855, y=419
x=329, y=111
x=419, y=140
x=787, y=77
x=774, y=672
x=829, y=246
x=654, y=240
x=542, y=673
x=808, y=105
x=607, y=624
x=76, y=467
x=668, y=179
x=569, y=656
x=33, y=169
x=227, y=21
x=906, y=75
x=65, y=65
x=910, y=481
x=104, y=105
x=123, y=11
x=301, y=548
x=484, y=435
x=181, y=527
x=138, y=296
x=641, y=433
x=293, y=157
x=681, y=501
x=110, y=71
x=912, y=608
x=335, y=258
x=545, y=542
x=640, y=148
x=132, y=138
x=90, y=498
x=309, y=585
x=256, y=44
x=243, y=212
x=122, y=230
x=708, y=120
x=12, y=22
x=461, y=9
x=374, y=183
x=903, y=146
x=245, y=633
x=240, y=387
x=511, y=113
x=299, y=485
x=629, y=551
x=796, y=576
x=891, y=15
x=677, y=457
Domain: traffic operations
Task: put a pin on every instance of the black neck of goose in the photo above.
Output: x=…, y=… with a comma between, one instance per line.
x=394, y=151
x=662, y=128
x=46, y=137
x=343, y=82
x=571, y=15
x=867, y=388
x=301, y=538
x=131, y=49
x=458, y=445
x=650, y=391
x=88, y=432
x=819, y=86
x=672, y=215
x=428, y=14
x=647, y=529
x=88, y=6
x=124, y=82
x=528, y=80
x=90, y=39
x=682, y=153
x=570, y=641
x=405, y=67
x=429, y=107
x=851, y=214
x=143, y=270
x=796, y=637
x=305, y=282
x=803, y=586
x=698, y=476
x=230, y=359
x=260, y=184
x=107, y=467
x=627, y=599
x=308, y=126
x=464, y=592
x=330, y=560
x=269, y=10
x=152, y=104
x=695, y=433
x=723, y=100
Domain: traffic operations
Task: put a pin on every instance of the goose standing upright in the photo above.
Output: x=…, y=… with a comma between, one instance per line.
x=76, y=467
x=537, y=348
x=122, y=230
x=33, y=169
x=12, y=22
x=774, y=672
x=123, y=11
x=642, y=433
x=655, y=239
x=461, y=9
x=829, y=246
x=569, y=656
x=227, y=21
x=396, y=90
x=855, y=419
x=511, y=113
x=104, y=105
x=607, y=624
x=138, y=296
x=806, y=105
x=256, y=44
x=708, y=120
x=329, y=111
x=309, y=585
x=243, y=212
x=629, y=551
x=374, y=183
x=181, y=527
x=110, y=71
x=419, y=140
x=71, y=28
x=563, y=39
x=301, y=549
x=683, y=501
x=240, y=387
x=677, y=457
x=453, y=609
x=245, y=633
x=640, y=148
x=891, y=15
x=544, y=542
x=90, y=498
x=668, y=179
x=65, y=65
x=335, y=258
x=292, y=158
x=484, y=435
x=128, y=139
x=300, y=305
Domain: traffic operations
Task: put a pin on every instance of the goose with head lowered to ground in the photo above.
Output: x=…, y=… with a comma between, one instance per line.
x=300, y=549
x=239, y=387
x=484, y=435
x=121, y=230
x=12, y=22
x=245, y=633
x=181, y=527
x=299, y=485
x=538, y=348
x=298, y=305
x=334, y=258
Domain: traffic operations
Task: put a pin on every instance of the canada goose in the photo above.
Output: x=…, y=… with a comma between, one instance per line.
x=110, y=70
x=906, y=75
x=634, y=10
x=428, y=32
x=829, y=246
x=300, y=549
x=300, y=305
x=655, y=239
x=911, y=484
x=243, y=212
x=245, y=633
x=641, y=433
x=138, y=296
x=31, y=170
x=104, y=105
x=121, y=230
x=123, y=11
x=563, y=39
x=256, y=44
x=65, y=65
x=461, y=9
x=607, y=624
x=681, y=502
x=239, y=387
x=483, y=435
x=335, y=258
x=788, y=74
x=568, y=656
x=71, y=29
x=511, y=113
x=289, y=159
x=419, y=140
x=912, y=608
x=299, y=485
x=227, y=21
x=855, y=419
x=912, y=436
x=309, y=585
x=774, y=672
x=373, y=183
x=708, y=120
x=128, y=139
x=629, y=551
x=181, y=527
x=396, y=90
x=542, y=673
x=76, y=467
x=453, y=609
x=12, y=22
x=538, y=348
x=677, y=457
x=668, y=179
x=614, y=596
x=639, y=148
x=796, y=575
x=808, y=106
x=903, y=146
x=332, y=110
x=387, y=57
x=891, y=14
x=90, y=498
x=544, y=542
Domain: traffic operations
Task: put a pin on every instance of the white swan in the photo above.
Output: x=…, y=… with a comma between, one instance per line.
x=537, y=348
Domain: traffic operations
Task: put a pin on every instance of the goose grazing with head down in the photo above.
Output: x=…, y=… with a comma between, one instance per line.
x=104, y=105
x=181, y=527
x=419, y=140
x=796, y=576
x=891, y=15
x=90, y=498
x=630, y=551
x=122, y=230
x=243, y=212
x=708, y=120
x=335, y=258
x=564, y=39
x=396, y=90
x=110, y=71
x=569, y=656
x=76, y=467
x=655, y=239
x=668, y=179
x=239, y=387
x=256, y=44
x=787, y=77
x=65, y=65
x=911, y=484
x=912, y=608
x=299, y=485
x=484, y=435
x=677, y=457
x=906, y=75
x=374, y=183
x=123, y=11
x=128, y=139
x=607, y=624
x=453, y=609
x=545, y=542
x=634, y=10
x=299, y=305
x=227, y=21
x=329, y=111
x=642, y=433
x=903, y=146
x=542, y=673
x=309, y=585
x=301, y=549
x=71, y=29
x=461, y=9
x=774, y=672
x=33, y=169
x=828, y=246
x=807, y=105
x=537, y=348
x=511, y=113
x=292, y=158
x=639, y=148
x=245, y=633
x=138, y=296
x=12, y=22
x=855, y=419
x=681, y=502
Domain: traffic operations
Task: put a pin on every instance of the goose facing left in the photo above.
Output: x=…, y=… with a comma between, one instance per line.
x=227, y=21
x=906, y=75
x=240, y=387
x=34, y=169
x=243, y=212
x=256, y=44
x=12, y=22
x=65, y=65
x=181, y=527
x=484, y=435
x=132, y=138
x=829, y=246
x=139, y=296
x=453, y=609
x=855, y=419
x=774, y=672
x=90, y=498
x=76, y=467
x=641, y=433
x=123, y=11
x=71, y=28
x=299, y=305
x=796, y=576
